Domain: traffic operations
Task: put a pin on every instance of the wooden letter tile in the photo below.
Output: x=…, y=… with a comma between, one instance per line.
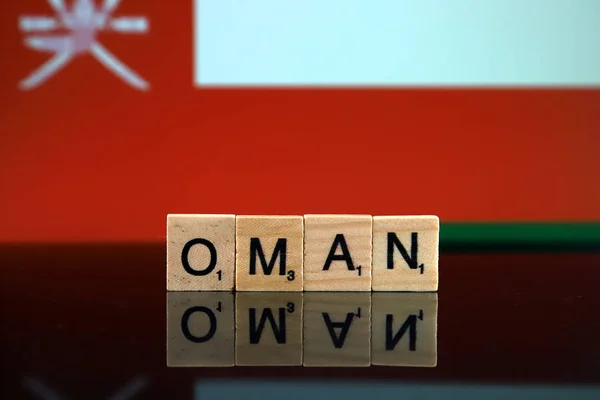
x=269, y=253
x=337, y=252
x=405, y=253
x=200, y=252
x=404, y=329
x=268, y=328
x=337, y=329
x=200, y=329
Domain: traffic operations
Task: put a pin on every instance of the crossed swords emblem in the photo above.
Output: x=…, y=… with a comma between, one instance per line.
x=83, y=21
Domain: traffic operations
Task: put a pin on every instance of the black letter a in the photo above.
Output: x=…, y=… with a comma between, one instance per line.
x=345, y=256
x=338, y=342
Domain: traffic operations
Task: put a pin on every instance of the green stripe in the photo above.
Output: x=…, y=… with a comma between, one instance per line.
x=521, y=236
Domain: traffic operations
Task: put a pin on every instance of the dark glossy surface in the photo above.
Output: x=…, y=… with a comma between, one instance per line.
x=87, y=321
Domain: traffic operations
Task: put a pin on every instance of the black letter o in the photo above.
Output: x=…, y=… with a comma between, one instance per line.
x=186, y=329
x=185, y=253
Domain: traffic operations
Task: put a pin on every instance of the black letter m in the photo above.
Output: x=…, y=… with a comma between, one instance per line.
x=257, y=250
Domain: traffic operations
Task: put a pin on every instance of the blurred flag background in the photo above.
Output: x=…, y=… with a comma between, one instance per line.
x=484, y=113
x=396, y=43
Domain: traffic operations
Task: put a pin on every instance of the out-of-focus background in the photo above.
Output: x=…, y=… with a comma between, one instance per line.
x=484, y=113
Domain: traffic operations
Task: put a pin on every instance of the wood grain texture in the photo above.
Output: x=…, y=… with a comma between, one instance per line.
x=404, y=329
x=268, y=328
x=269, y=253
x=200, y=329
x=419, y=231
x=218, y=231
x=324, y=234
x=337, y=329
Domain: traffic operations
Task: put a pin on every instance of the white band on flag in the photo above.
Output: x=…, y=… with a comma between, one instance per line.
x=397, y=42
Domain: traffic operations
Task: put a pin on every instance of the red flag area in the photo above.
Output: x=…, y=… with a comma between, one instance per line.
x=85, y=156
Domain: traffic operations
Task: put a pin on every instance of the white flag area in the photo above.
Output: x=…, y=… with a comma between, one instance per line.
x=397, y=42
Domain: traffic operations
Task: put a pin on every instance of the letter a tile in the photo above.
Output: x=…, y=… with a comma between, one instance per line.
x=337, y=252
x=200, y=252
x=337, y=329
x=269, y=253
x=405, y=253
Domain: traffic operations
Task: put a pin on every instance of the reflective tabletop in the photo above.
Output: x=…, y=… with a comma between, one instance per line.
x=95, y=321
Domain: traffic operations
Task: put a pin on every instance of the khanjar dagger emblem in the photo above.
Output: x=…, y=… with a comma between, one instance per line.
x=83, y=21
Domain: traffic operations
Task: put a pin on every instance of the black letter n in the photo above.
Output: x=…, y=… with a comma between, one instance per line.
x=412, y=261
x=409, y=325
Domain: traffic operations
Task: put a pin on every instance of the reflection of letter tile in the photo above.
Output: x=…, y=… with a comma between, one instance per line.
x=269, y=253
x=417, y=269
x=332, y=235
x=404, y=329
x=337, y=329
x=200, y=329
x=205, y=237
x=268, y=328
